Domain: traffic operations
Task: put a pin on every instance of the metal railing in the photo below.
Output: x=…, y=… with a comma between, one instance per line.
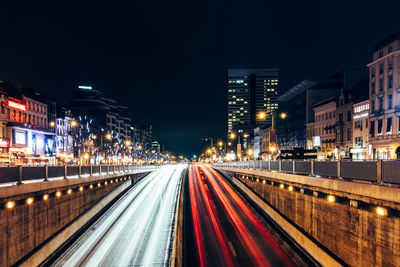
x=379, y=171
x=19, y=174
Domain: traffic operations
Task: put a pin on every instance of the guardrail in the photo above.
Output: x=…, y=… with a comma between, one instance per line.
x=19, y=174
x=380, y=171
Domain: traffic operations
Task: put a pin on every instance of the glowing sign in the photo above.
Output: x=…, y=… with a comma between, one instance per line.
x=361, y=116
x=317, y=140
x=16, y=105
x=361, y=108
x=17, y=149
x=85, y=87
x=20, y=138
x=4, y=142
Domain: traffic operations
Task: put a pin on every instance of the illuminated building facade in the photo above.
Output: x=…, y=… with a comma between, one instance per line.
x=384, y=93
x=361, y=148
x=250, y=92
x=27, y=133
x=323, y=128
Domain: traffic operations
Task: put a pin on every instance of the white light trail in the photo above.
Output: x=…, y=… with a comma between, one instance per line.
x=137, y=230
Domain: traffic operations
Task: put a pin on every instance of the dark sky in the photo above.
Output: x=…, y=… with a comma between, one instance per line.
x=166, y=60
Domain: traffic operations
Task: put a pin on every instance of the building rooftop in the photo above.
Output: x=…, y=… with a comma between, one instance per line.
x=296, y=90
x=389, y=39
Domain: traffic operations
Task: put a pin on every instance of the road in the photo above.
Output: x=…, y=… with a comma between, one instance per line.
x=135, y=231
x=226, y=231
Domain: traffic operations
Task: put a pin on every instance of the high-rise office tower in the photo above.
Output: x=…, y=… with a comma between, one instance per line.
x=251, y=98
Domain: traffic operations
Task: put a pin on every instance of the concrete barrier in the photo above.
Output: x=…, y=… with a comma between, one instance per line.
x=306, y=243
x=358, y=223
x=52, y=245
x=27, y=226
x=177, y=245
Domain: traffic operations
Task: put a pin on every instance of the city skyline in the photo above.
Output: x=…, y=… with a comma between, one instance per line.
x=85, y=49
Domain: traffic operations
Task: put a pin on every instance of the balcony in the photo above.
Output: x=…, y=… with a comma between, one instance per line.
x=378, y=112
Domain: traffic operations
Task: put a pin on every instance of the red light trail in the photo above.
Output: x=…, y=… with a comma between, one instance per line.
x=209, y=190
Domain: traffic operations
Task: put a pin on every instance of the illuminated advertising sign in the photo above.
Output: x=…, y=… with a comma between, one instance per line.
x=361, y=108
x=49, y=145
x=361, y=115
x=16, y=105
x=317, y=140
x=17, y=150
x=20, y=138
x=4, y=142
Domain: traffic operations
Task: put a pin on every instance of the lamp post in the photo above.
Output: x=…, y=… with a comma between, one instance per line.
x=239, y=145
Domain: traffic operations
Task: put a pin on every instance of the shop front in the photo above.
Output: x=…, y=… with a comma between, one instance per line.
x=31, y=145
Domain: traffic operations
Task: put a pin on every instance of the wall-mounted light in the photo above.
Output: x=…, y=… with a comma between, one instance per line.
x=29, y=200
x=290, y=188
x=58, y=194
x=45, y=197
x=10, y=204
x=282, y=186
x=381, y=211
x=331, y=198
x=81, y=188
x=69, y=191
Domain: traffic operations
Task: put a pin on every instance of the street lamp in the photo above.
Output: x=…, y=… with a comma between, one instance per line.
x=52, y=124
x=283, y=115
x=262, y=115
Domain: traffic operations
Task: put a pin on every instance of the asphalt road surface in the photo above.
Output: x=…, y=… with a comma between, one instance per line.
x=226, y=232
x=137, y=230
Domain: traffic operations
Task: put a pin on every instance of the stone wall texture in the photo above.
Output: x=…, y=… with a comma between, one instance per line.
x=25, y=227
x=357, y=236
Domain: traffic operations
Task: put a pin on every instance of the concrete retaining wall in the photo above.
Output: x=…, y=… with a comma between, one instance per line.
x=356, y=235
x=25, y=227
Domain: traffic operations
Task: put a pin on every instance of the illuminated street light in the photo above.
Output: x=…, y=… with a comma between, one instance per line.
x=220, y=143
x=262, y=115
x=86, y=155
x=128, y=142
x=108, y=136
x=45, y=197
x=245, y=135
x=283, y=115
x=52, y=124
x=74, y=123
x=233, y=135
x=94, y=137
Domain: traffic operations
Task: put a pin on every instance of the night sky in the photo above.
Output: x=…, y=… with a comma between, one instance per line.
x=166, y=60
